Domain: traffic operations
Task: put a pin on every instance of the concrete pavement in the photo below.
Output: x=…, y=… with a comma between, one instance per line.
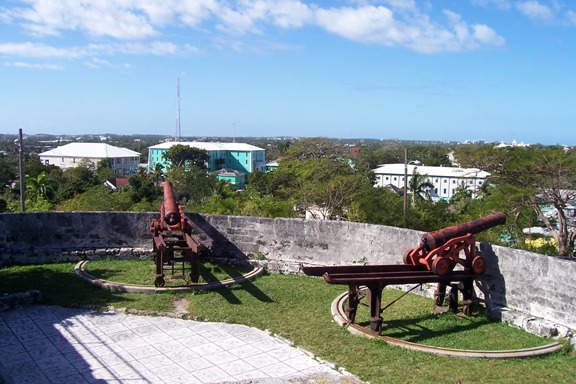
x=41, y=344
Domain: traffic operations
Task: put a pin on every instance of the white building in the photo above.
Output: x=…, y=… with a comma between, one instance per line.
x=445, y=180
x=124, y=161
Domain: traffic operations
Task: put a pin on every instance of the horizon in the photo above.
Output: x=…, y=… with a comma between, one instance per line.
x=492, y=70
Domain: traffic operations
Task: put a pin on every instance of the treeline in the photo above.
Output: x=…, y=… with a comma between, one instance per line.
x=325, y=179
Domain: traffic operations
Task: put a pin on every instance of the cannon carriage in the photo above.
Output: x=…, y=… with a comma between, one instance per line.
x=173, y=241
x=433, y=261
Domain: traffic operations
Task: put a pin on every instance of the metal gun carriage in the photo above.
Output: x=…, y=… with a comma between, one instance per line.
x=173, y=241
x=433, y=261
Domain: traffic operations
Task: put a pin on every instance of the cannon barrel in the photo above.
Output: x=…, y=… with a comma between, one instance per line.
x=171, y=213
x=432, y=240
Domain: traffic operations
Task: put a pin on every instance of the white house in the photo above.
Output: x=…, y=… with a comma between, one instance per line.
x=445, y=180
x=124, y=161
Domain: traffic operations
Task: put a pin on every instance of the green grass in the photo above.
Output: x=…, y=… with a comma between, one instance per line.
x=141, y=272
x=298, y=308
x=411, y=319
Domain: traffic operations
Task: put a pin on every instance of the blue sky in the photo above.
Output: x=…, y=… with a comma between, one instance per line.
x=497, y=70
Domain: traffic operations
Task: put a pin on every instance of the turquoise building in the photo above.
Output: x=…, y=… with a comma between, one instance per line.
x=240, y=157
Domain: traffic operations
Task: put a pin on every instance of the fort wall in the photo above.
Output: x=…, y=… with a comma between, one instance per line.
x=529, y=290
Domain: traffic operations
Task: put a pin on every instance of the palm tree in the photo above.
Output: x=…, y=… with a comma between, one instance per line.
x=158, y=173
x=39, y=186
x=419, y=187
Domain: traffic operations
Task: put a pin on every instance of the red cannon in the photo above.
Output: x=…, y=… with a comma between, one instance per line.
x=439, y=251
x=172, y=235
x=432, y=261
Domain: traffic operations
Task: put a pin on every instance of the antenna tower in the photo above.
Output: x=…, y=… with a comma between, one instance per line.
x=177, y=135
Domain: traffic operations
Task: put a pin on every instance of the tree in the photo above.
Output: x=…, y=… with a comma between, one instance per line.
x=39, y=187
x=315, y=148
x=77, y=180
x=104, y=169
x=535, y=178
x=143, y=187
x=283, y=146
x=323, y=187
x=180, y=155
x=158, y=174
x=419, y=187
x=192, y=183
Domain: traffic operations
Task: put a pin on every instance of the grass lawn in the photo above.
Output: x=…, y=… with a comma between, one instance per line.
x=298, y=308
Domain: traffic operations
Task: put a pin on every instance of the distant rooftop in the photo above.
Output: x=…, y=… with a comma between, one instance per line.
x=210, y=146
x=398, y=169
x=90, y=150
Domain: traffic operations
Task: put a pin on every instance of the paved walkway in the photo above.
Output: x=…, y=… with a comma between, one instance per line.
x=40, y=344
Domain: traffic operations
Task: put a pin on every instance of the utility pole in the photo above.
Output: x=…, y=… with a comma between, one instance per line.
x=405, y=187
x=21, y=170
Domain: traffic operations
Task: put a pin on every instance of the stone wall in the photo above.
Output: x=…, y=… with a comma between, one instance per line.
x=534, y=291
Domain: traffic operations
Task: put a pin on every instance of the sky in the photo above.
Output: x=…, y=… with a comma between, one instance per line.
x=455, y=70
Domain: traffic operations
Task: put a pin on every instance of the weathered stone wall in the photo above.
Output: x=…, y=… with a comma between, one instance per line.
x=538, y=286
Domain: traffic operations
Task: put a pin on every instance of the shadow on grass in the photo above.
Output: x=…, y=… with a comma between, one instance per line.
x=413, y=329
x=58, y=286
x=227, y=293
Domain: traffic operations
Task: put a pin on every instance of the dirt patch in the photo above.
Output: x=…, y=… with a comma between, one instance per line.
x=181, y=306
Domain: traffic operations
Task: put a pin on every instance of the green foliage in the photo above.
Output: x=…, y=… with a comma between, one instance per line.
x=193, y=184
x=98, y=198
x=76, y=180
x=143, y=187
x=104, y=170
x=180, y=155
x=314, y=148
x=524, y=180
x=40, y=186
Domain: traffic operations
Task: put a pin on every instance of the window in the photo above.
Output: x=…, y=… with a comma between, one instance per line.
x=453, y=181
x=387, y=178
x=444, y=191
x=395, y=178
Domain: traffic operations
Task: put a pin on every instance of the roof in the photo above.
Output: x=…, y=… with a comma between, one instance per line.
x=228, y=172
x=398, y=169
x=90, y=150
x=210, y=146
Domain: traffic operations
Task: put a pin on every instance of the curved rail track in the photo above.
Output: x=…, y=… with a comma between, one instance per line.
x=339, y=315
x=114, y=286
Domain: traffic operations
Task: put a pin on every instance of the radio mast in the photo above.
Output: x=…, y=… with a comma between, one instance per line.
x=177, y=135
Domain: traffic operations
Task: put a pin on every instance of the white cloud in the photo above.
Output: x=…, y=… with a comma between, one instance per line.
x=571, y=17
x=379, y=25
x=35, y=50
x=498, y=4
x=392, y=23
x=536, y=10
x=38, y=51
x=20, y=64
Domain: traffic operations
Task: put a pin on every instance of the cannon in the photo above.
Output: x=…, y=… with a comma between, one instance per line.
x=439, y=251
x=173, y=241
x=433, y=261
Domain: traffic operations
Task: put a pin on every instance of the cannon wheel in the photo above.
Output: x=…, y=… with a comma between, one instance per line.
x=406, y=258
x=441, y=266
x=159, y=282
x=478, y=265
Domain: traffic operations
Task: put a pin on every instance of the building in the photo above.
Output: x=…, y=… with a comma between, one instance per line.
x=241, y=157
x=232, y=176
x=124, y=161
x=271, y=165
x=445, y=180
